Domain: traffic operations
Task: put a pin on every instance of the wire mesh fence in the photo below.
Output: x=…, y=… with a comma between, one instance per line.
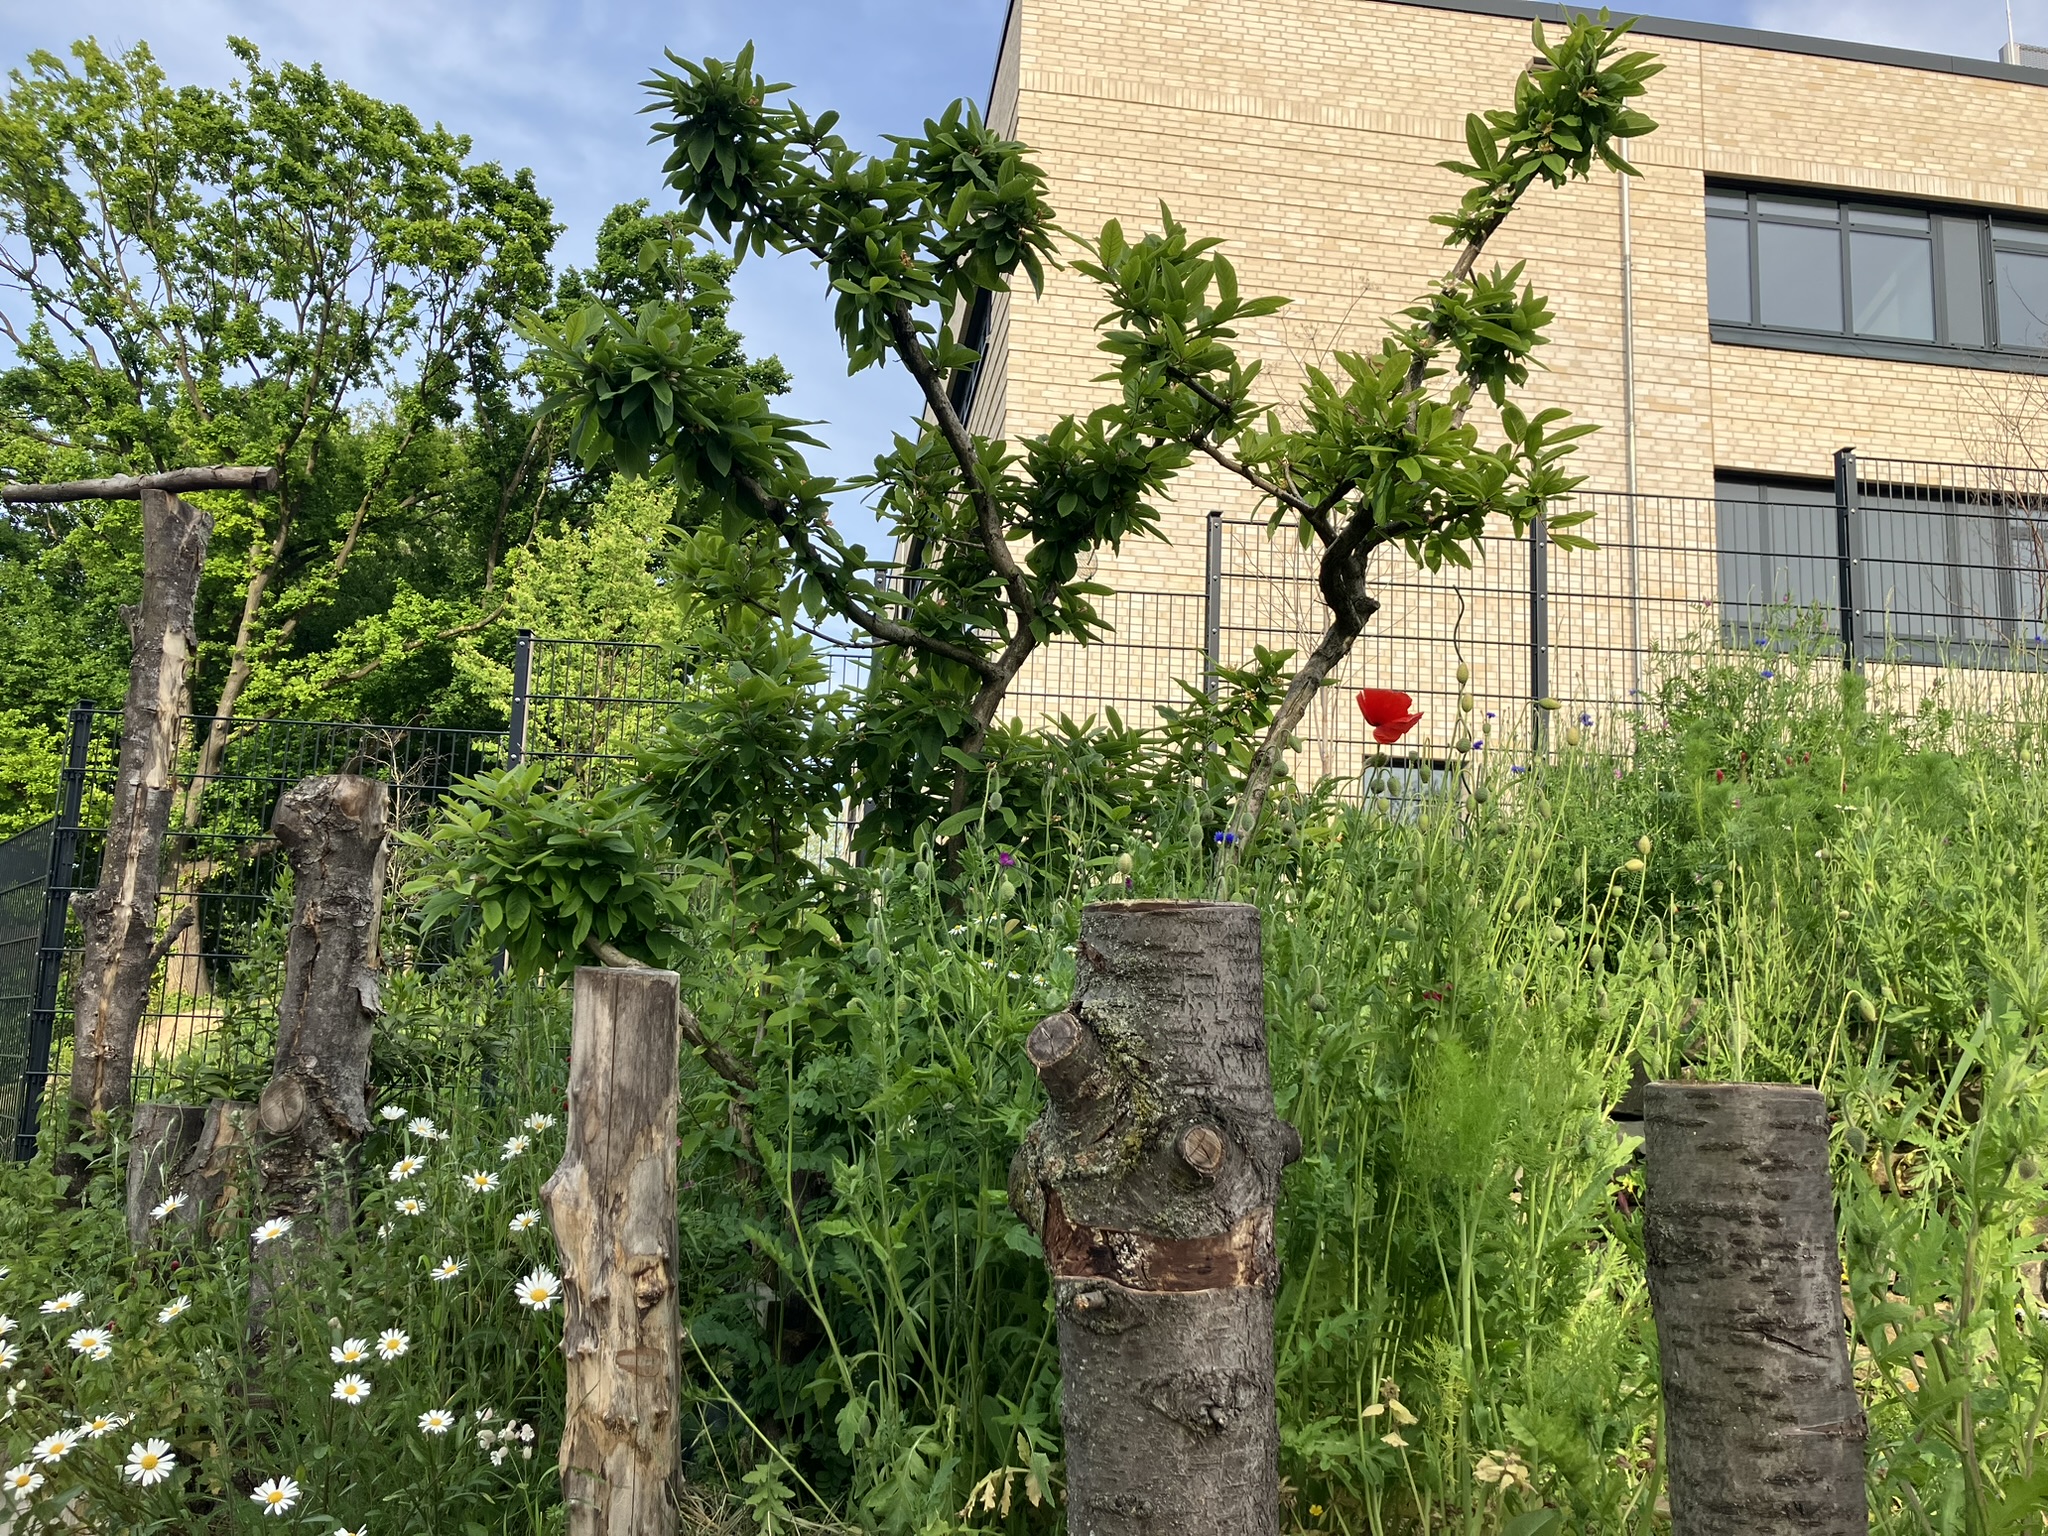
x=24, y=871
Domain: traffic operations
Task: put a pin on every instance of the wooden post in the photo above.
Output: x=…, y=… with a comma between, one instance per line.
x=1763, y=1431
x=119, y=918
x=612, y=1203
x=312, y=1113
x=165, y=1135
x=1151, y=1180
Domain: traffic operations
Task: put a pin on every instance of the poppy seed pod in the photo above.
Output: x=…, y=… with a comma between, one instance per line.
x=1571, y=735
x=995, y=800
x=1643, y=845
x=1123, y=863
x=2027, y=1168
x=1465, y=703
x=1634, y=866
x=1464, y=673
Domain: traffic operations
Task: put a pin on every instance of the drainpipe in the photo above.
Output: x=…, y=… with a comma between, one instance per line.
x=1628, y=416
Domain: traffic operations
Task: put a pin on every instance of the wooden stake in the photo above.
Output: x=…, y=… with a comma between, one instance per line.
x=1151, y=1181
x=165, y=1135
x=1763, y=1431
x=119, y=918
x=312, y=1113
x=612, y=1203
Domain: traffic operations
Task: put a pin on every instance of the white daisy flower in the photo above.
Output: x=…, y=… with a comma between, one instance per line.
x=22, y=1481
x=101, y=1424
x=361, y=1530
x=480, y=1183
x=423, y=1128
x=392, y=1343
x=405, y=1168
x=349, y=1352
x=104, y=1352
x=167, y=1206
x=174, y=1309
x=514, y=1146
x=149, y=1462
x=276, y=1494
x=539, y=1289
x=411, y=1205
x=436, y=1421
x=525, y=1221
x=52, y=1449
x=271, y=1230
x=392, y=1112
x=448, y=1268
x=70, y=1301
x=352, y=1389
x=539, y=1122
x=6, y=1326
x=90, y=1341
x=383, y=1230
x=9, y=1357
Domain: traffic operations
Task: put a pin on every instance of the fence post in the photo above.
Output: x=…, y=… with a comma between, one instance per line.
x=42, y=1017
x=1845, y=556
x=522, y=689
x=1212, y=606
x=1539, y=624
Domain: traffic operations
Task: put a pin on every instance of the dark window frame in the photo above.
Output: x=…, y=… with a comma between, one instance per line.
x=1846, y=341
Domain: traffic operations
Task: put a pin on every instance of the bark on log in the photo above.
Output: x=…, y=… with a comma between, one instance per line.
x=1763, y=1431
x=164, y=1137
x=612, y=1203
x=216, y=1175
x=312, y=1113
x=221, y=477
x=1151, y=1181
x=119, y=918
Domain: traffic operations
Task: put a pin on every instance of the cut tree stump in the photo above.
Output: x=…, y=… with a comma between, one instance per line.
x=164, y=1137
x=1762, y=1427
x=612, y=1203
x=1151, y=1181
x=312, y=1113
x=119, y=917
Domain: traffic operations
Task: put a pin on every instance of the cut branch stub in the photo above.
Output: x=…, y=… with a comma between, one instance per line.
x=1151, y=1181
x=1746, y=1281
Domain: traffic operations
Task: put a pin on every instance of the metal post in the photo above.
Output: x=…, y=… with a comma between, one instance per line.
x=1539, y=623
x=42, y=1017
x=1845, y=556
x=1212, y=603
x=522, y=688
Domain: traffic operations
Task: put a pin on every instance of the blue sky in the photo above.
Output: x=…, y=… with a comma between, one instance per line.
x=553, y=84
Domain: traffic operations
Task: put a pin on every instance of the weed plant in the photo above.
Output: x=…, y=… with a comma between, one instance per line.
x=1758, y=875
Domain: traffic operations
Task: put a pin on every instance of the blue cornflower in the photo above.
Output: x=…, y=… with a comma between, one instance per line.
x=1226, y=838
x=1585, y=718
x=1767, y=672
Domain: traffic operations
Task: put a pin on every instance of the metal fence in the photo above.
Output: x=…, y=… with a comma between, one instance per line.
x=1898, y=567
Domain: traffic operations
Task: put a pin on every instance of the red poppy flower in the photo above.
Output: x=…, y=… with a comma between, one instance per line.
x=1391, y=714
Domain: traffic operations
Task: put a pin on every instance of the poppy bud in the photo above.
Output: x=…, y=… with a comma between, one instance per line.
x=1318, y=1003
x=1866, y=1009
x=1123, y=863
x=1557, y=934
x=1480, y=795
x=1643, y=845
x=1550, y=704
x=1571, y=735
x=875, y=956
x=1657, y=949
x=995, y=800
x=1634, y=866
x=1464, y=673
x=1854, y=1139
x=1465, y=702
x=924, y=869
x=2027, y=1168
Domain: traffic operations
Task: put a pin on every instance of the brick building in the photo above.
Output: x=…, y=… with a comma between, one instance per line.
x=1831, y=246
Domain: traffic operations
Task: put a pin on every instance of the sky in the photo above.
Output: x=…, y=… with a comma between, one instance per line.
x=553, y=84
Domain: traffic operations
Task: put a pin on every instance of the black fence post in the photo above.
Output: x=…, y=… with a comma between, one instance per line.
x=42, y=1017
x=1539, y=625
x=1845, y=554
x=1212, y=606
x=522, y=689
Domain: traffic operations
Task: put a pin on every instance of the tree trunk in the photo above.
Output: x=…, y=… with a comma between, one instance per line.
x=120, y=916
x=164, y=1137
x=215, y=1176
x=612, y=1203
x=1151, y=1181
x=312, y=1113
x=1763, y=1430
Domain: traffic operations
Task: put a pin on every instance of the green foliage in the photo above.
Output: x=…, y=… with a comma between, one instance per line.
x=546, y=876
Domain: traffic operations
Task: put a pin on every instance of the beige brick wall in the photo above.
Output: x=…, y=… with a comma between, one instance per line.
x=1308, y=137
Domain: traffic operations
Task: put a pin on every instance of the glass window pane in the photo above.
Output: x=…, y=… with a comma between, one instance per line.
x=1884, y=218
x=2020, y=234
x=1797, y=208
x=1728, y=270
x=2022, y=300
x=1799, y=271
x=1727, y=202
x=1962, y=281
x=1891, y=280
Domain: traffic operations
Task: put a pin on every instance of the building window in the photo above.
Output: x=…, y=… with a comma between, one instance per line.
x=1876, y=280
x=1935, y=575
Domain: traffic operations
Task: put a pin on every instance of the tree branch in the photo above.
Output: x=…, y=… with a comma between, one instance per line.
x=222, y=477
x=989, y=518
x=716, y=1056
x=421, y=642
